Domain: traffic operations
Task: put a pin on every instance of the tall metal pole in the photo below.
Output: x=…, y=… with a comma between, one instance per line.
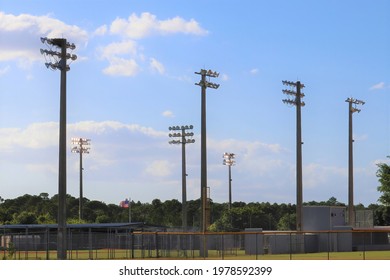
x=80, y=147
x=298, y=104
x=228, y=159
x=299, y=160
x=61, y=238
x=183, y=180
x=63, y=67
x=183, y=140
x=203, y=156
x=230, y=187
x=81, y=188
x=351, y=207
x=351, y=210
x=203, y=143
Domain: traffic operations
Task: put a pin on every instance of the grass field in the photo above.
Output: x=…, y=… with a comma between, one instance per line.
x=105, y=254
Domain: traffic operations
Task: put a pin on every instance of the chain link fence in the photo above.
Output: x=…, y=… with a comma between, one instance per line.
x=125, y=243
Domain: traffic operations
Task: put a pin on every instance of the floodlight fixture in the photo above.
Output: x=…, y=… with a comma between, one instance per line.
x=80, y=144
x=293, y=84
x=228, y=159
x=355, y=102
x=207, y=73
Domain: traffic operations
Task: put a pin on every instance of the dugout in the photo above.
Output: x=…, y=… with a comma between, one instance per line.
x=80, y=236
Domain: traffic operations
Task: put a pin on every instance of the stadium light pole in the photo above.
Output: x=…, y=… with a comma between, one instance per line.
x=228, y=159
x=352, y=108
x=58, y=60
x=181, y=136
x=80, y=148
x=298, y=104
x=204, y=84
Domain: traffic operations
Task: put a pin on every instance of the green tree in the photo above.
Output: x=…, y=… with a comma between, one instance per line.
x=287, y=222
x=45, y=219
x=222, y=224
x=155, y=214
x=103, y=218
x=383, y=174
x=25, y=218
x=172, y=213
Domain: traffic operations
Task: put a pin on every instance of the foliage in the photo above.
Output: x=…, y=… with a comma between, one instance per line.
x=383, y=174
x=43, y=209
x=287, y=222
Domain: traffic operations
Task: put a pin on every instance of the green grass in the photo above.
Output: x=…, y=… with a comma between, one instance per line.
x=105, y=254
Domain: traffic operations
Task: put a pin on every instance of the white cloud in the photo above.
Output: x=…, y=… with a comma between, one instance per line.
x=168, y=114
x=109, y=126
x=38, y=168
x=155, y=65
x=159, y=168
x=126, y=58
x=318, y=175
x=23, y=32
x=147, y=24
x=122, y=67
x=115, y=49
x=179, y=25
x=36, y=135
x=44, y=135
x=100, y=31
x=254, y=71
x=377, y=86
x=133, y=158
x=121, y=58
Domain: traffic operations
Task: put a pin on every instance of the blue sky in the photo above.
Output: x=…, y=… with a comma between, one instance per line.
x=134, y=77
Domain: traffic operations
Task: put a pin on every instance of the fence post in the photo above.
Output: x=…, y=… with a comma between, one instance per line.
x=256, y=245
x=47, y=242
x=364, y=245
x=26, y=245
x=90, y=252
x=156, y=236
x=222, y=245
x=290, y=245
x=328, y=245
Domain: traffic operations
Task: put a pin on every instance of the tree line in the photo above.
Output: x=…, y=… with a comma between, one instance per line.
x=42, y=209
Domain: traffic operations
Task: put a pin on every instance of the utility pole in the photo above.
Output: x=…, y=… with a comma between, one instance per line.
x=228, y=159
x=203, y=143
x=183, y=141
x=60, y=62
x=298, y=104
x=80, y=148
x=351, y=109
